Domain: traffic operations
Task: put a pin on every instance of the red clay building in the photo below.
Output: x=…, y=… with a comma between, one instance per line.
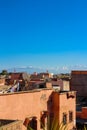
x=82, y=114
x=63, y=84
x=40, y=76
x=21, y=77
x=79, y=82
x=63, y=108
x=38, y=105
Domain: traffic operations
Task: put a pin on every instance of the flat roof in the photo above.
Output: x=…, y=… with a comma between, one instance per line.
x=29, y=91
x=79, y=72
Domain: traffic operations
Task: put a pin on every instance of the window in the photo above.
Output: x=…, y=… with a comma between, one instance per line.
x=70, y=116
x=64, y=118
x=33, y=123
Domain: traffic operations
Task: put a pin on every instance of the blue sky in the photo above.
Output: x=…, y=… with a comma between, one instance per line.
x=43, y=33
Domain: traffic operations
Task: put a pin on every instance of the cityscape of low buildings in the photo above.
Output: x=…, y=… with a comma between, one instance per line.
x=38, y=100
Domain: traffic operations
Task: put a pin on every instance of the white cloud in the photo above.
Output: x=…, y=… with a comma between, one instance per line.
x=57, y=69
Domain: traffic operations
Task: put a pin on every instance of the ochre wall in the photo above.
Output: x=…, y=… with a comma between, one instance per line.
x=25, y=104
x=62, y=104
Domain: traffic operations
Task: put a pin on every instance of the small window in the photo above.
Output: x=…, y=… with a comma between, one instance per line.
x=70, y=116
x=64, y=118
x=33, y=123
